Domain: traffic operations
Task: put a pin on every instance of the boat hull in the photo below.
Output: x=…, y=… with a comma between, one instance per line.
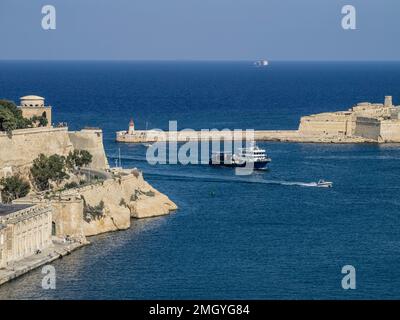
x=259, y=165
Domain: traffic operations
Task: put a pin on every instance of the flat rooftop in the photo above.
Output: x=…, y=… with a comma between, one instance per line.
x=6, y=209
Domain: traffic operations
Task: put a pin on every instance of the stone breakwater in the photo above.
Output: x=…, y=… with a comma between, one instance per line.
x=151, y=136
x=362, y=123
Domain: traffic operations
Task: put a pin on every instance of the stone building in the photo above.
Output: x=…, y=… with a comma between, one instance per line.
x=373, y=121
x=34, y=106
x=24, y=229
x=2, y=245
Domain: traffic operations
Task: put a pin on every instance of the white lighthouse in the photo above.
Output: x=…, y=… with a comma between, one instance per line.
x=131, y=129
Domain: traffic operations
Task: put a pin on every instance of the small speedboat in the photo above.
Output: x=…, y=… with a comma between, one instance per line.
x=324, y=184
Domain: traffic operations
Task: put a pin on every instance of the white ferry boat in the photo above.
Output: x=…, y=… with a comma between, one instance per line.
x=246, y=156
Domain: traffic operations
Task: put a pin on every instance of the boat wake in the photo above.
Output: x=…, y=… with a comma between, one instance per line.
x=210, y=178
x=127, y=158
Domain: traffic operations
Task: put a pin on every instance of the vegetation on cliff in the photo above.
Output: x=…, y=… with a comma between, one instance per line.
x=11, y=118
x=136, y=195
x=46, y=169
x=78, y=158
x=92, y=212
x=56, y=168
x=13, y=188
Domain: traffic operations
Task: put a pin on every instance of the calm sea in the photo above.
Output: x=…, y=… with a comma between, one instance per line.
x=267, y=235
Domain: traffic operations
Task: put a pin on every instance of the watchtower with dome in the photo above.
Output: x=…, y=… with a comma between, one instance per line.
x=34, y=106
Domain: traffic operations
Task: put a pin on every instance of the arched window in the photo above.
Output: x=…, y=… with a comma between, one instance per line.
x=53, y=228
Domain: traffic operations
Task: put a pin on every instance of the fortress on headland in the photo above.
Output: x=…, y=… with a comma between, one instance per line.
x=363, y=123
x=371, y=121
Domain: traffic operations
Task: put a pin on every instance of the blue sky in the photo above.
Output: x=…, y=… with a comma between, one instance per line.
x=200, y=30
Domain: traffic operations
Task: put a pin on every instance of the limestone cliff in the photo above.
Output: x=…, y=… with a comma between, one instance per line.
x=109, y=205
x=109, y=222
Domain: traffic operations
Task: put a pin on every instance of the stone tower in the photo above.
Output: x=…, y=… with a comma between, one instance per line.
x=34, y=106
x=388, y=101
x=131, y=129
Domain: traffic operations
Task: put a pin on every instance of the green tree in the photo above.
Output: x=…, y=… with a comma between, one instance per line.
x=13, y=188
x=46, y=169
x=11, y=117
x=10, y=106
x=7, y=120
x=79, y=158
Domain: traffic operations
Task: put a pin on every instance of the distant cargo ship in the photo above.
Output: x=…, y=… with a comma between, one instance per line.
x=253, y=156
x=261, y=63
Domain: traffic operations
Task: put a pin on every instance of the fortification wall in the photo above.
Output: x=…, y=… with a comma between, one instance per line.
x=373, y=111
x=92, y=141
x=330, y=124
x=368, y=128
x=390, y=131
x=21, y=147
x=68, y=218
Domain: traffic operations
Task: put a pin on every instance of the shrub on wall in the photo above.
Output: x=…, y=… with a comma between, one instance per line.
x=93, y=212
x=40, y=121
